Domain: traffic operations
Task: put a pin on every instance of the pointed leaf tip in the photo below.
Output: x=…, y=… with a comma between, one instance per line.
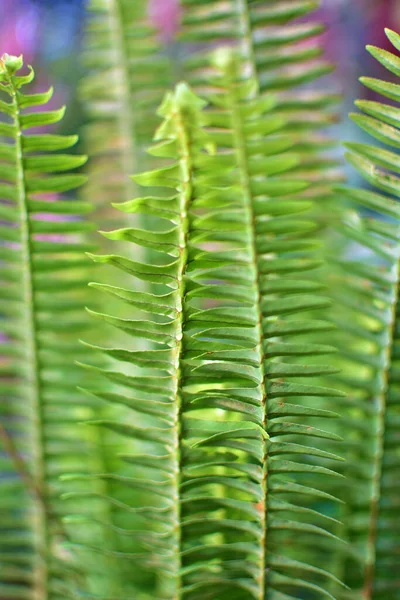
x=182, y=99
x=10, y=64
x=92, y=257
x=393, y=37
x=165, y=105
x=71, y=519
x=374, y=50
x=186, y=99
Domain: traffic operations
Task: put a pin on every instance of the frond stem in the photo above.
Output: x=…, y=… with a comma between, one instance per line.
x=247, y=37
x=243, y=161
x=379, y=451
x=125, y=116
x=33, y=361
x=186, y=192
x=19, y=464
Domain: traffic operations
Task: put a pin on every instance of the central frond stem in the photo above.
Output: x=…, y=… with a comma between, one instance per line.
x=243, y=162
x=33, y=362
x=125, y=118
x=19, y=464
x=380, y=402
x=185, y=196
x=247, y=37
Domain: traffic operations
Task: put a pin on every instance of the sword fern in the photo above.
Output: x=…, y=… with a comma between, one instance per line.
x=41, y=296
x=208, y=464
x=213, y=400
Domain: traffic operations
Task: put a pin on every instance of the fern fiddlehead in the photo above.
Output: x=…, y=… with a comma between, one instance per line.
x=39, y=403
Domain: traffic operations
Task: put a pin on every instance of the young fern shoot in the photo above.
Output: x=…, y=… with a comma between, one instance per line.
x=159, y=394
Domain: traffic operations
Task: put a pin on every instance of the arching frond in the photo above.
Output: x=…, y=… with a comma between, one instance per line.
x=126, y=80
x=214, y=397
x=42, y=237
x=280, y=256
x=366, y=308
x=282, y=53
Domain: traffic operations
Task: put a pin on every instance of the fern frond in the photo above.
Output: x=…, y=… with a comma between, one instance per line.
x=284, y=56
x=279, y=249
x=41, y=312
x=157, y=396
x=126, y=80
x=269, y=37
x=367, y=308
x=212, y=402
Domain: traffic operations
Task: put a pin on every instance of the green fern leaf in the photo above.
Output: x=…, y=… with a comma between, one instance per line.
x=366, y=308
x=42, y=273
x=125, y=82
x=195, y=475
x=271, y=41
x=271, y=306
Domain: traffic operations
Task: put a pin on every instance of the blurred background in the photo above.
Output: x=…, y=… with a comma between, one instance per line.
x=49, y=33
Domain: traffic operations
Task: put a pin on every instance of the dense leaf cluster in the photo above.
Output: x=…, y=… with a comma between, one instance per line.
x=230, y=426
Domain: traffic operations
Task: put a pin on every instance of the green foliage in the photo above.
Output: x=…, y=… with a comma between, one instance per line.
x=269, y=37
x=125, y=82
x=190, y=448
x=285, y=57
x=212, y=402
x=43, y=274
x=366, y=310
